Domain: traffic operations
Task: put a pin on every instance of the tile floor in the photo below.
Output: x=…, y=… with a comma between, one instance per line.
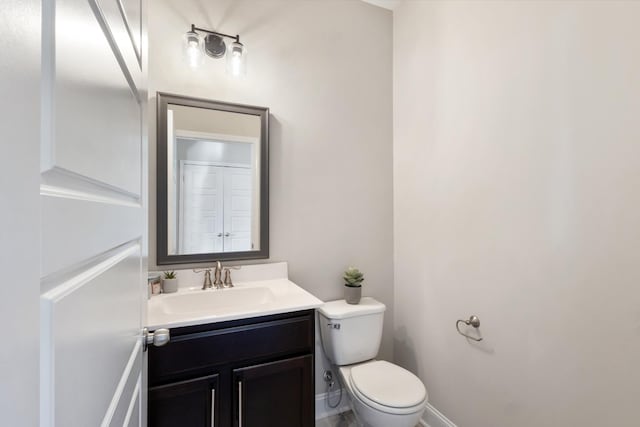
x=346, y=419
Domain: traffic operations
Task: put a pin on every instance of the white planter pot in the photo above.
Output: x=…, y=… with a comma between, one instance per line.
x=352, y=294
x=170, y=285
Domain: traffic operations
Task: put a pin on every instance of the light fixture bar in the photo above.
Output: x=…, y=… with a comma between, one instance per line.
x=236, y=37
x=213, y=45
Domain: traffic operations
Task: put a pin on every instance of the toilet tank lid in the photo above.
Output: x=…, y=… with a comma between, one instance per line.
x=341, y=310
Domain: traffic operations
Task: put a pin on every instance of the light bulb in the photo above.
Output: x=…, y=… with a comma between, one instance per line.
x=237, y=59
x=236, y=63
x=192, y=49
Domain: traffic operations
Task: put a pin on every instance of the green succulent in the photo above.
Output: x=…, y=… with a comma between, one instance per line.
x=353, y=277
x=169, y=274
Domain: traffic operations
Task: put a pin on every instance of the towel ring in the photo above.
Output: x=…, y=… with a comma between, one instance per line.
x=473, y=321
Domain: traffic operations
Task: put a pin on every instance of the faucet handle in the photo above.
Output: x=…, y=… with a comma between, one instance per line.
x=207, y=278
x=228, y=283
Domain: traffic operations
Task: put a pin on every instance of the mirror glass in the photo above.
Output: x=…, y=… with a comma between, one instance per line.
x=212, y=197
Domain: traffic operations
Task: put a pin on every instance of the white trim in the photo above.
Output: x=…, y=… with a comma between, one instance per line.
x=111, y=39
x=323, y=411
x=117, y=395
x=51, y=191
x=47, y=100
x=127, y=24
x=431, y=417
x=434, y=418
x=47, y=364
x=220, y=164
x=132, y=404
x=217, y=137
x=172, y=182
x=60, y=182
x=71, y=285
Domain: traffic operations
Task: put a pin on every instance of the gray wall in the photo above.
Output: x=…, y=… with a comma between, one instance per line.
x=212, y=151
x=324, y=70
x=214, y=121
x=517, y=162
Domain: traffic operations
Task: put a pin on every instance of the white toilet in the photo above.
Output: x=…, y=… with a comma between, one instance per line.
x=382, y=394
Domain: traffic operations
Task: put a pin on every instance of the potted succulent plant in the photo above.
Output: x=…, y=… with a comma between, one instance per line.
x=170, y=282
x=352, y=285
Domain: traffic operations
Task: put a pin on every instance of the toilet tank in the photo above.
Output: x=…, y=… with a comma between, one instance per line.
x=351, y=333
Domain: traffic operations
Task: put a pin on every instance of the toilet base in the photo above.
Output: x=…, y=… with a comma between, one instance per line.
x=365, y=417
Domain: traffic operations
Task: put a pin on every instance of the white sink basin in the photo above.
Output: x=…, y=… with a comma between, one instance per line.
x=194, y=306
x=218, y=301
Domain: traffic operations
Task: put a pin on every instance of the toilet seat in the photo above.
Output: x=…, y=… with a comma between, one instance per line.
x=387, y=387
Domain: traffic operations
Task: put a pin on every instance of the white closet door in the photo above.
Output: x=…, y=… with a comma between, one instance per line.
x=19, y=211
x=237, y=212
x=93, y=213
x=201, y=217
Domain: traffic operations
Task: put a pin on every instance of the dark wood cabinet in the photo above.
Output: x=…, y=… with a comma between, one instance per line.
x=245, y=373
x=184, y=403
x=275, y=394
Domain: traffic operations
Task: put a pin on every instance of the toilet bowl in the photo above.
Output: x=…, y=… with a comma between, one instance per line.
x=384, y=394
x=381, y=394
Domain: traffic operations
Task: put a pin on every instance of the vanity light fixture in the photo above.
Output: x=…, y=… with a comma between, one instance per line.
x=213, y=45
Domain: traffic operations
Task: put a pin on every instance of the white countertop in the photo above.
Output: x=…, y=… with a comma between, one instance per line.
x=193, y=306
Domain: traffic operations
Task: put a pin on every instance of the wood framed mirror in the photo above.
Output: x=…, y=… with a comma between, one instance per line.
x=212, y=180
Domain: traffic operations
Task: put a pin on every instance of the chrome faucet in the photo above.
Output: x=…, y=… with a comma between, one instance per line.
x=217, y=273
x=217, y=277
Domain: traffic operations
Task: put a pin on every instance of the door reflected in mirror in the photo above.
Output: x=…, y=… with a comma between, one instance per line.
x=213, y=203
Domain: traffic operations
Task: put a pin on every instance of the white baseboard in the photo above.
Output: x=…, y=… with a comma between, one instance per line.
x=323, y=410
x=434, y=418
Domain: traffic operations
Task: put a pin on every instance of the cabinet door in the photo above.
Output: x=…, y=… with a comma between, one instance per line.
x=276, y=394
x=192, y=403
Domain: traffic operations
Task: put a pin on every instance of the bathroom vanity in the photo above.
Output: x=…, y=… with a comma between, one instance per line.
x=252, y=372
x=238, y=357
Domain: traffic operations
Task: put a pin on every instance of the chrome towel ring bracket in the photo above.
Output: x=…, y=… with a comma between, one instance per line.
x=473, y=321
